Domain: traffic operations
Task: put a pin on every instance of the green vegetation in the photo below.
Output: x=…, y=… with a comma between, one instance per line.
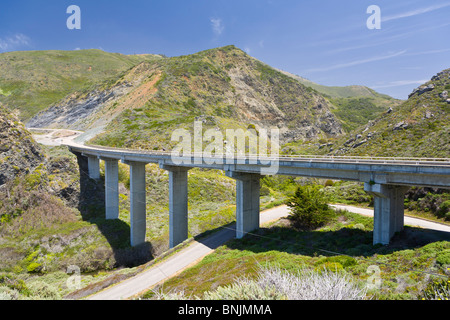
x=355, y=112
x=33, y=80
x=45, y=227
x=309, y=207
x=418, y=127
x=211, y=86
x=437, y=289
x=276, y=284
x=345, y=244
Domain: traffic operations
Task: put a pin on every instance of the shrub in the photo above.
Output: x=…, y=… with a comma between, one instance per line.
x=436, y=289
x=34, y=267
x=43, y=291
x=274, y=283
x=443, y=258
x=310, y=285
x=329, y=183
x=309, y=207
x=13, y=284
x=344, y=261
x=244, y=289
x=265, y=191
x=8, y=294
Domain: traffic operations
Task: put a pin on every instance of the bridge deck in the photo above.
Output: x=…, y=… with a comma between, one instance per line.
x=430, y=172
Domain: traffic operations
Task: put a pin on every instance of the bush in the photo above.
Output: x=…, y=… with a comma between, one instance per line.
x=265, y=191
x=437, y=289
x=44, y=291
x=309, y=207
x=443, y=258
x=244, y=289
x=275, y=284
x=344, y=261
x=13, y=284
x=8, y=293
x=329, y=183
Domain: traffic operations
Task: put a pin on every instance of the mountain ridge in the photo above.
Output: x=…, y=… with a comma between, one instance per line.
x=224, y=85
x=418, y=127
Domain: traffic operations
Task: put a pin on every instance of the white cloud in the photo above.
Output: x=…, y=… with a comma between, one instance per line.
x=217, y=26
x=428, y=52
x=400, y=83
x=12, y=43
x=414, y=12
x=357, y=62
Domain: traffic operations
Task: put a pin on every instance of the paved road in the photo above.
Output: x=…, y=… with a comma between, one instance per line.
x=197, y=250
x=178, y=262
x=414, y=222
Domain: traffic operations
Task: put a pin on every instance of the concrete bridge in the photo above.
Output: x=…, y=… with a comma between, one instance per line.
x=387, y=179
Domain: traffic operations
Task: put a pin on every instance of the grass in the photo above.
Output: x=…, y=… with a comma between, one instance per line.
x=404, y=266
x=34, y=80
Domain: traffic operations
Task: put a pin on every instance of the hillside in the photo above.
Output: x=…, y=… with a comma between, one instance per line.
x=418, y=127
x=340, y=92
x=46, y=225
x=19, y=154
x=224, y=87
x=31, y=81
x=353, y=105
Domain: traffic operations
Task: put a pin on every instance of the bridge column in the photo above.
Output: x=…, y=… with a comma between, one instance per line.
x=94, y=167
x=247, y=201
x=178, y=204
x=137, y=203
x=388, y=210
x=111, y=188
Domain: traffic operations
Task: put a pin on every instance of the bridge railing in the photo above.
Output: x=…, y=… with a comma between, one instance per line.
x=302, y=158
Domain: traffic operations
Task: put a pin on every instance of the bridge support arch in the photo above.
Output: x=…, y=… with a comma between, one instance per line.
x=388, y=210
x=248, y=188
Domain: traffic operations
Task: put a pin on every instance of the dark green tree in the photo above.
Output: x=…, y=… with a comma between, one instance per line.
x=309, y=207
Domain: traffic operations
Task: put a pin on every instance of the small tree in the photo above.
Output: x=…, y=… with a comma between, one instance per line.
x=309, y=207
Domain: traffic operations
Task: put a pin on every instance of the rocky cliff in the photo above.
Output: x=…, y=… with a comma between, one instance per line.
x=19, y=153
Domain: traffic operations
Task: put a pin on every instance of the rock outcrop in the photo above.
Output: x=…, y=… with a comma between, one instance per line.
x=19, y=153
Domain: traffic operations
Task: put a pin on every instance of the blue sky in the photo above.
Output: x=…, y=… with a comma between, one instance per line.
x=326, y=41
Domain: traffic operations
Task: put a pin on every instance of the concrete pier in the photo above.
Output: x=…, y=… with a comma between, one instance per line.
x=178, y=204
x=94, y=167
x=388, y=210
x=137, y=203
x=247, y=201
x=386, y=178
x=111, y=188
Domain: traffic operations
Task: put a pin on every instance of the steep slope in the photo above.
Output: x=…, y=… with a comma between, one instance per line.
x=419, y=127
x=353, y=105
x=31, y=81
x=41, y=229
x=96, y=107
x=340, y=92
x=19, y=153
x=223, y=87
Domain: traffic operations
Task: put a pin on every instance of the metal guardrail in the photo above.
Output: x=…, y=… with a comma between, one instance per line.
x=301, y=158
